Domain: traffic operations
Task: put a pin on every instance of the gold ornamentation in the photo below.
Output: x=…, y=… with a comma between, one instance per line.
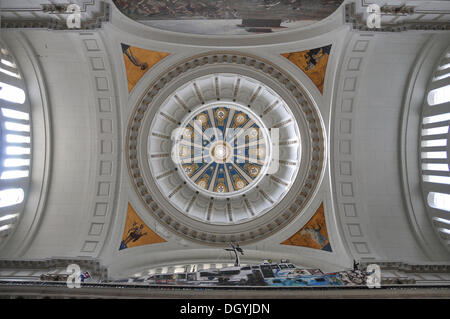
x=203, y=118
x=188, y=133
x=253, y=170
x=239, y=183
x=221, y=188
x=190, y=169
x=221, y=114
x=203, y=183
x=240, y=118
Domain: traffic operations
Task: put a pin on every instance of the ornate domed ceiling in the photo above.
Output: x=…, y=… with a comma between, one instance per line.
x=223, y=150
x=224, y=162
x=225, y=147
x=231, y=17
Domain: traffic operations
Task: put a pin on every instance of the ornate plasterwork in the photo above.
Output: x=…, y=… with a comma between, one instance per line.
x=348, y=203
x=220, y=165
x=304, y=112
x=107, y=130
x=397, y=18
x=53, y=16
x=212, y=173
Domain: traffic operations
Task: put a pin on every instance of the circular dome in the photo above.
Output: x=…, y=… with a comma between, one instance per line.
x=224, y=147
x=222, y=155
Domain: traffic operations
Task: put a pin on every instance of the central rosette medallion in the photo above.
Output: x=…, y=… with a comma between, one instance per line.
x=222, y=149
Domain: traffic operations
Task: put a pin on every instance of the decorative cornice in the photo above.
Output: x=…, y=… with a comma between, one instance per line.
x=93, y=265
x=358, y=23
x=409, y=268
x=44, y=19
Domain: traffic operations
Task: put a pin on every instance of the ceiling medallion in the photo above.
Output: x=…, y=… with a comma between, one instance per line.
x=224, y=147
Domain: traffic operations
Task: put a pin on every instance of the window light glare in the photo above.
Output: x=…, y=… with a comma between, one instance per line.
x=13, y=114
x=11, y=93
x=178, y=270
x=434, y=154
x=13, y=138
x=436, y=179
x=14, y=174
x=4, y=227
x=436, y=118
x=8, y=217
x=444, y=66
x=441, y=77
x=10, y=73
x=439, y=95
x=435, y=167
x=439, y=200
x=17, y=150
x=435, y=130
x=12, y=126
x=16, y=162
x=432, y=143
x=8, y=63
x=441, y=220
x=11, y=196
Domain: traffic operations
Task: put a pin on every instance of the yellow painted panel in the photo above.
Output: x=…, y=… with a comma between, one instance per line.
x=136, y=232
x=145, y=58
x=313, y=235
x=312, y=62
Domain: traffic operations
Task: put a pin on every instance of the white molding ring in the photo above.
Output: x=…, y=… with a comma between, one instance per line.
x=304, y=111
x=239, y=205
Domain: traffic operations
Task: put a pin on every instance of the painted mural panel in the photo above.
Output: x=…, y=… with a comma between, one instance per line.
x=313, y=235
x=227, y=17
x=138, y=61
x=136, y=232
x=344, y=278
x=313, y=62
x=263, y=275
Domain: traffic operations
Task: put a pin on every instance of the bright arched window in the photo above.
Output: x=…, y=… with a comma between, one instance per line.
x=439, y=201
x=15, y=143
x=11, y=93
x=11, y=196
x=434, y=148
x=439, y=95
